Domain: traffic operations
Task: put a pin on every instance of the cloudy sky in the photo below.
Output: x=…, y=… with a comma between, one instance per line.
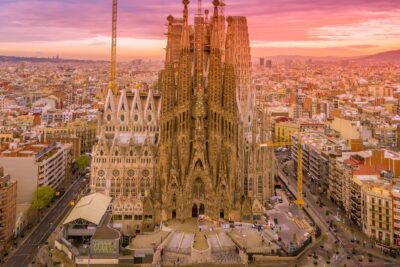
x=81, y=28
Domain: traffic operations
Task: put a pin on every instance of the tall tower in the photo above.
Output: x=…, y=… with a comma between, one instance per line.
x=204, y=101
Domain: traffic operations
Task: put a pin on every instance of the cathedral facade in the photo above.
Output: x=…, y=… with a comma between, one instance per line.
x=196, y=150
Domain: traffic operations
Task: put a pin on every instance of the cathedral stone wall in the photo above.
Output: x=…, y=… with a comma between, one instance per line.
x=195, y=150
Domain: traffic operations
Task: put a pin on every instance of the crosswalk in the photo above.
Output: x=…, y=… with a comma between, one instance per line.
x=301, y=223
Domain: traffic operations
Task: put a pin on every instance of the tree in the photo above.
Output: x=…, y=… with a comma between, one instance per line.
x=82, y=162
x=42, y=197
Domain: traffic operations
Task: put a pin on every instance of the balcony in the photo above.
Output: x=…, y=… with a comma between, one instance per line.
x=356, y=200
x=356, y=207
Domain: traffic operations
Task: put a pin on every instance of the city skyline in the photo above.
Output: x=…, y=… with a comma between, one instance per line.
x=258, y=132
x=72, y=29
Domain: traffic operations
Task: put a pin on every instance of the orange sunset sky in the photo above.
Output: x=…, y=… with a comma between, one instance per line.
x=81, y=28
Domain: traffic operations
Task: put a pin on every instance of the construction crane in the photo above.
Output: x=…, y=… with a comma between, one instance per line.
x=300, y=199
x=113, y=65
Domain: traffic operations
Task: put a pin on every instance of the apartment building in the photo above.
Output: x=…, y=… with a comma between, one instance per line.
x=74, y=141
x=52, y=116
x=316, y=148
x=386, y=135
x=334, y=181
x=283, y=131
x=84, y=130
x=354, y=211
x=8, y=196
x=376, y=211
x=350, y=128
x=396, y=213
x=34, y=165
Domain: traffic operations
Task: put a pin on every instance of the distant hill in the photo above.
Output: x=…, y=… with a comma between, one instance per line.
x=388, y=56
x=44, y=59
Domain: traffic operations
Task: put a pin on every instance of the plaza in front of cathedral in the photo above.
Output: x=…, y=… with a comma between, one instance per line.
x=90, y=235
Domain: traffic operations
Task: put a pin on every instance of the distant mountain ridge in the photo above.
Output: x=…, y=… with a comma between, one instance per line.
x=392, y=56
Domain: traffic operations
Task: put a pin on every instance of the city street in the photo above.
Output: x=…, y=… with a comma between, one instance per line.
x=343, y=235
x=25, y=253
x=312, y=209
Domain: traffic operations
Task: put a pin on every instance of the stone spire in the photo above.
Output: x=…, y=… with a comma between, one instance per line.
x=169, y=75
x=199, y=51
x=169, y=54
x=229, y=101
x=215, y=70
x=185, y=64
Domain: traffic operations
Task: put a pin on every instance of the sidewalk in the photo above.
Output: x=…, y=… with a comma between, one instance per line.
x=347, y=231
x=344, y=230
x=35, y=226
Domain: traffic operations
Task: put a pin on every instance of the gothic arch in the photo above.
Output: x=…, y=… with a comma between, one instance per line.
x=198, y=189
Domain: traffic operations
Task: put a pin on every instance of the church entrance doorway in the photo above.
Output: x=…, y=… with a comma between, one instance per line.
x=173, y=214
x=195, y=211
x=202, y=209
x=221, y=213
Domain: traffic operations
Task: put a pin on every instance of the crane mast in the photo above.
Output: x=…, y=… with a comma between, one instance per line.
x=299, y=197
x=113, y=65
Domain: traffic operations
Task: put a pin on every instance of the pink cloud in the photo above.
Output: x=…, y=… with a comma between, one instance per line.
x=27, y=21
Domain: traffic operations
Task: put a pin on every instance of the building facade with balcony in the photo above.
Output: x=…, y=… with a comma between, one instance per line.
x=8, y=197
x=84, y=130
x=396, y=214
x=34, y=165
x=376, y=211
x=316, y=148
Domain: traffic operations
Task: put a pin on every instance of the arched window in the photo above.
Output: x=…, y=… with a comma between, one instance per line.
x=198, y=189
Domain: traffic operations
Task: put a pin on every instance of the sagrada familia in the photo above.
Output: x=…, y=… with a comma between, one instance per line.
x=193, y=148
